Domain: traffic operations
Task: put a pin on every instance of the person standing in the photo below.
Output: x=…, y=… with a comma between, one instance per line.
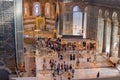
x=61, y=66
x=73, y=57
x=69, y=76
x=70, y=57
x=73, y=71
x=70, y=67
x=98, y=74
x=77, y=62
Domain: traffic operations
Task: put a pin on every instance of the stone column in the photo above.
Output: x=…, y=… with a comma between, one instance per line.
x=27, y=65
x=19, y=32
x=112, y=25
x=104, y=37
x=119, y=41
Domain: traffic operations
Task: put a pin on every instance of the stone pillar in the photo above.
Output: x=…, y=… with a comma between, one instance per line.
x=19, y=32
x=112, y=25
x=119, y=47
x=119, y=41
x=104, y=37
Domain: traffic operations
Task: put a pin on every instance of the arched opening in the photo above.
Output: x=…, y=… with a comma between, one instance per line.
x=100, y=32
x=108, y=35
x=115, y=37
x=77, y=21
x=26, y=10
x=85, y=22
x=53, y=11
x=36, y=9
x=47, y=10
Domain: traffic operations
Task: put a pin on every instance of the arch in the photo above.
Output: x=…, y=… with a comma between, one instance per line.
x=106, y=14
x=77, y=21
x=115, y=19
x=115, y=38
x=47, y=10
x=36, y=8
x=100, y=13
x=100, y=31
x=86, y=9
x=76, y=8
x=114, y=16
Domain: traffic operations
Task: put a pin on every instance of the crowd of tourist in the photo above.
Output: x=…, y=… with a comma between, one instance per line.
x=61, y=66
x=61, y=45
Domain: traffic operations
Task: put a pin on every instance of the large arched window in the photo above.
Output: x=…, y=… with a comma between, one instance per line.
x=77, y=21
x=36, y=9
x=53, y=11
x=47, y=10
x=67, y=1
x=26, y=10
x=100, y=31
x=108, y=34
x=115, y=37
x=85, y=22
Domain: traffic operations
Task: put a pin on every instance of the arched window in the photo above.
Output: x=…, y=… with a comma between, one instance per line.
x=100, y=31
x=67, y=1
x=26, y=10
x=36, y=9
x=108, y=34
x=85, y=22
x=47, y=10
x=115, y=37
x=53, y=11
x=77, y=21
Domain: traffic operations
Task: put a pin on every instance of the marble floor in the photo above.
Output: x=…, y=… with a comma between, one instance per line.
x=83, y=74
x=85, y=70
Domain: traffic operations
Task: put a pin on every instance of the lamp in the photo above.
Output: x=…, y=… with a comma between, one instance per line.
x=54, y=33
